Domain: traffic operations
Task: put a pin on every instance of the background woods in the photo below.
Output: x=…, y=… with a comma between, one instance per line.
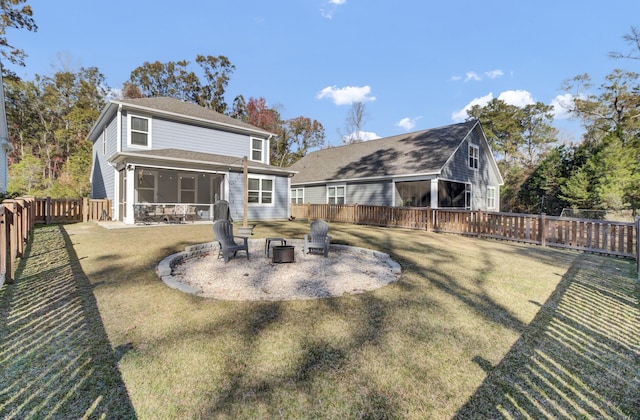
x=50, y=116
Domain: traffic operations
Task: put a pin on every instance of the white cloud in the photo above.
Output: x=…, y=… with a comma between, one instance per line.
x=347, y=95
x=407, y=123
x=472, y=75
x=519, y=98
x=362, y=136
x=494, y=74
x=561, y=106
x=461, y=115
x=332, y=5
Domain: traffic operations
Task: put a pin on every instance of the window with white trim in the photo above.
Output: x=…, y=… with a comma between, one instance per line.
x=336, y=194
x=147, y=186
x=260, y=190
x=188, y=188
x=468, y=197
x=474, y=156
x=491, y=198
x=139, y=131
x=297, y=195
x=257, y=149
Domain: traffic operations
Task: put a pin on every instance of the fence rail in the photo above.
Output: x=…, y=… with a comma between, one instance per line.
x=596, y=236
x=19, y=216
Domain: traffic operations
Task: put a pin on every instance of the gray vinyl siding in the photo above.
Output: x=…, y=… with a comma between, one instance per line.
x=370, y=193
x=315, y=195
x=457, y=169
x=103, y=178
x=166, y=134
x=278, y=211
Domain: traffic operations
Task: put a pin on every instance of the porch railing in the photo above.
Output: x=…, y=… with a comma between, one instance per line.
x=171, y=212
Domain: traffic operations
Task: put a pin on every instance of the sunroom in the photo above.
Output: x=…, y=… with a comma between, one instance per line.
x=178, y=186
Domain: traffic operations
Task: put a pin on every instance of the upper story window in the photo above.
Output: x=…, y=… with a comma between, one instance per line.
x=257, y=150
x=474, y=156
x=139, y=131
x=336, y=194
x=260, y=190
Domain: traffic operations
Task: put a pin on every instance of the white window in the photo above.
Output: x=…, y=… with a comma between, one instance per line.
x=188, y=184
x=146, y=186
x=257, y=149
x=491, y=198
x=297, y=195
x=139, y=131
x=336, y=194
x=474, y=156
x=260, y=190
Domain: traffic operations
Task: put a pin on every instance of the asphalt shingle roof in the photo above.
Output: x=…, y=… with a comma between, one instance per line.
x=420, y=152
x=188, y=109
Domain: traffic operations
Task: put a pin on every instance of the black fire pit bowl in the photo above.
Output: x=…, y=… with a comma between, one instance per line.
x=283, y=254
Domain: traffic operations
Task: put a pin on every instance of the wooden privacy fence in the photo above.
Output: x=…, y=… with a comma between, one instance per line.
x=596, y=236
x=71, y=210
x=19, y=216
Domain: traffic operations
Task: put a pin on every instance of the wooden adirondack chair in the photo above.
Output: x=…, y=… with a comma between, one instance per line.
x=317, y=238
x=223, y=233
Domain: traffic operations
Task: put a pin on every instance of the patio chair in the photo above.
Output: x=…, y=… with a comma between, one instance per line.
x=221, y=211
x=317, y=238
x=223, y=233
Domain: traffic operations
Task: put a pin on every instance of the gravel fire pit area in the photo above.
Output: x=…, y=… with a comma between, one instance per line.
x=347, y=270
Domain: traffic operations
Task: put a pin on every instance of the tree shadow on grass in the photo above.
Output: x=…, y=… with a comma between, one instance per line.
x=578, y=358
x=56, y=360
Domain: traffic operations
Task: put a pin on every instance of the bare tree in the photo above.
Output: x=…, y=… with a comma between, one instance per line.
x=632, y=39
x=354, y=123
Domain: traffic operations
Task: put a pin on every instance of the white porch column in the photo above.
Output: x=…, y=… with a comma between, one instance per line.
x=434, y=193
x=129, y=195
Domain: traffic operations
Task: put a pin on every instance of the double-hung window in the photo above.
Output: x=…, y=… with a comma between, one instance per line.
x=336, y=194
x=474, y=156
x=139, y=131
x=491, y=198
x=297, y=195
x=260, y=190
x=257, y=149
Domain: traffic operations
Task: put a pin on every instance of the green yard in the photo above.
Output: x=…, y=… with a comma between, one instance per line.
x=474, y=328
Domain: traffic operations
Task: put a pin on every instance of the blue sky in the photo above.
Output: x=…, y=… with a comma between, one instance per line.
x=415, y=64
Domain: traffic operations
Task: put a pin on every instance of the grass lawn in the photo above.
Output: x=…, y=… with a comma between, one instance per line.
x=473, y=328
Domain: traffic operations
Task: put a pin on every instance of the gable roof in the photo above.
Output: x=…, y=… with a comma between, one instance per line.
x=177, y=110
x=420, y=153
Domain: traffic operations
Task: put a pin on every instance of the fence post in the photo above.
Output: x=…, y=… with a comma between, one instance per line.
x=10, y=234
x=85, y=210
x=48, y=210
x=543, y=229
x=478, y=222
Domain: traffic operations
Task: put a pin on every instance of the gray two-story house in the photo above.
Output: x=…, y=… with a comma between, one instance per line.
x=164, y=159
x=446, y=167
